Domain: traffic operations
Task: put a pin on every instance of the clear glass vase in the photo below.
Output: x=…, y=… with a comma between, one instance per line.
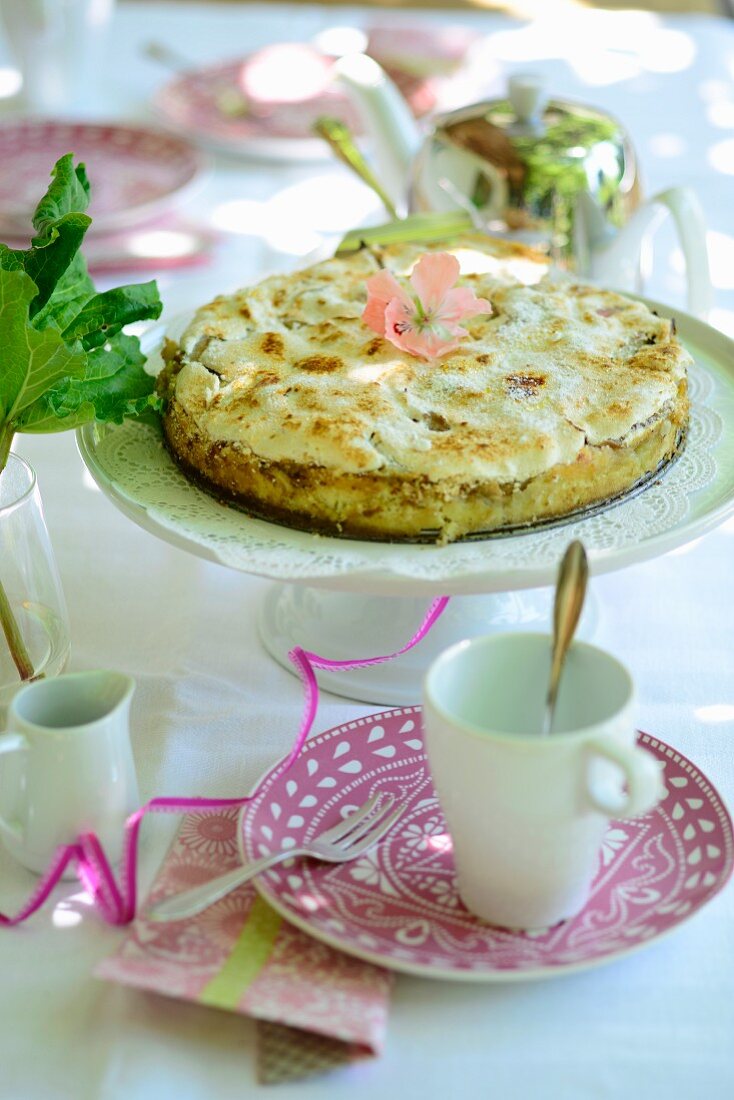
x=34, y=627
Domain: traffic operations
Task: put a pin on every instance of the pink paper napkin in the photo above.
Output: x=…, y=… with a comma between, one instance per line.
x=317, y=1008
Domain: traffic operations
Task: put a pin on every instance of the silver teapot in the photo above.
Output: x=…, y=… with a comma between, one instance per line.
x=558, y=175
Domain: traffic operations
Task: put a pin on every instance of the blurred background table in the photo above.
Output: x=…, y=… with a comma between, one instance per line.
x=212, y=710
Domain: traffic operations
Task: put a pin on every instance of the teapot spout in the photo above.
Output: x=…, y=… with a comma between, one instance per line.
x=387, y=120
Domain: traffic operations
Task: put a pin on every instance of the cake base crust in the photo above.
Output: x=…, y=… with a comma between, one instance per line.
x=401, y=508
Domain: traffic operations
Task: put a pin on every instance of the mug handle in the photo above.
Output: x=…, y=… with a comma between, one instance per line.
x=644, y=780
x=12, y=742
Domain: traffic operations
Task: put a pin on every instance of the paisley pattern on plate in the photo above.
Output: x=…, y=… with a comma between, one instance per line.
x=135, y=171
x=398, y=905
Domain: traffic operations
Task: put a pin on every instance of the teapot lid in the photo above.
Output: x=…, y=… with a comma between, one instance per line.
x=553, y=130
x=527, y=94
x=547, y=153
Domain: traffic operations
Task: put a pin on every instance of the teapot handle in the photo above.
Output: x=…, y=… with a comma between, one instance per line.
x=690, y=226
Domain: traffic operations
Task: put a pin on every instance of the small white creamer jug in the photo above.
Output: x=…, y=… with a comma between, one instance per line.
x=68, y=766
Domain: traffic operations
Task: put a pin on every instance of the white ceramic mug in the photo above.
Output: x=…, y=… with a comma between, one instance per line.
x=527, y=814
x=69, y=767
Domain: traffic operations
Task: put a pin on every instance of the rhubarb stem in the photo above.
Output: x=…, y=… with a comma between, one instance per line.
x=14, y=638
x=9, y=623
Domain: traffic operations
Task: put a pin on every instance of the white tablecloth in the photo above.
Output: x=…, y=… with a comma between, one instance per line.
x=212, y=709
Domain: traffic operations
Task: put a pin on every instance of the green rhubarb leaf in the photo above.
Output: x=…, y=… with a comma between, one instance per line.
x=72, y=292
x=104, y=315
x=66, y=360
x=31, y=361
x=115, y=386
x=67, y=193
x=47, y=262
x=60, y=224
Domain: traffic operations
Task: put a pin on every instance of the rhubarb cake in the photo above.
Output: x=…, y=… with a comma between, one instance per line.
x=280, y=398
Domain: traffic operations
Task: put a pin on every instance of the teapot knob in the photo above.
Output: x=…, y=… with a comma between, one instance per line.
x=527, y=94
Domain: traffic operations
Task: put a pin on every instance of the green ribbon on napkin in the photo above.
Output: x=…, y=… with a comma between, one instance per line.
x=249, y=955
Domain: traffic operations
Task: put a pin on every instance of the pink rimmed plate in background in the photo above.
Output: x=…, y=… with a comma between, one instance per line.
x=264, y=105
x=136, y=172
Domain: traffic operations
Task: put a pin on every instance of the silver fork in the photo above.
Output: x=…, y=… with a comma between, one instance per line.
x=347, y=840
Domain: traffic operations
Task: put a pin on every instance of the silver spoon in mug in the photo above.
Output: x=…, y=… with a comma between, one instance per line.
x=573, y=575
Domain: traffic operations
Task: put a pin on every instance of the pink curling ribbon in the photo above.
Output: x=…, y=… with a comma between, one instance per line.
x=116, y=901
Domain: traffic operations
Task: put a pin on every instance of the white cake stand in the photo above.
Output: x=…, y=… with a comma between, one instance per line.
x=344, y=598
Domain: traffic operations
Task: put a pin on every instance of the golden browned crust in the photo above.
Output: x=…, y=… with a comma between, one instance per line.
x=280, y=399
x=400, y=507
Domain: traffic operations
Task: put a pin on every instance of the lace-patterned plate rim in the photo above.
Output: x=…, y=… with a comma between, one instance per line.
x=696, y=494
x=397, y=906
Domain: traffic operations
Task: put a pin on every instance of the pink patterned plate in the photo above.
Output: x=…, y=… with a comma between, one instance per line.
x=397, y=906
x=209, y=104
x=135, y=171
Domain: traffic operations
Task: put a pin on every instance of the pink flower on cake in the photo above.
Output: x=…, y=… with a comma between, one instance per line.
x=423, y=319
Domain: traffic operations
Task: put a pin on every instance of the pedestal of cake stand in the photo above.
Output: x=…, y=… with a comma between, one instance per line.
x=340, y=625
